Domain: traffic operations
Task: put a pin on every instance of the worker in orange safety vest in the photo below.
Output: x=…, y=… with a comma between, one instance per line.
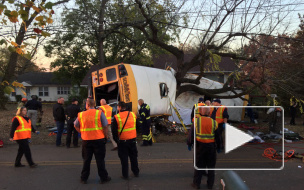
x=196, y=112
x=124, y=133
x=92, y=124
x=21, y=133
x=220, y=114
x=107, y=110
x=205, y=129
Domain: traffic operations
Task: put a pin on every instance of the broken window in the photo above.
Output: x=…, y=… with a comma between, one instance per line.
x=163, y=90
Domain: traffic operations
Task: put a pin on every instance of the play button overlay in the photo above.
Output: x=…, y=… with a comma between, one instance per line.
x=245, y=143
x=235, y=138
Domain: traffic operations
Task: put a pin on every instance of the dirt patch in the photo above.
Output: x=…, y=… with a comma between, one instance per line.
x=47, y=120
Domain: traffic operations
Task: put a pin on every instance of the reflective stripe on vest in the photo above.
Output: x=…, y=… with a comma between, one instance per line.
x=23, y=131
x=196, y=105
x=96, y=123
x=129, y=131
x=219, y=114
x=90, y=125
x=202, y=126
x=108, y=112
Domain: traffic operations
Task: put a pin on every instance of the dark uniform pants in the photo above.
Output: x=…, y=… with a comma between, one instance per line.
x=146, y=132
x=24, y=148
x=96, y=147
x=219, y=136
x=128, y=149
x=205, y=158
x=71, y=129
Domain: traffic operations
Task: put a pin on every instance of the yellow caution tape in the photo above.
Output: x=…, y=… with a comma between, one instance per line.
x=179, y=117
x=153, y=139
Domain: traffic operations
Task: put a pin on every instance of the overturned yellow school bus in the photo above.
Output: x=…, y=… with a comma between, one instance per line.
x=128, y=83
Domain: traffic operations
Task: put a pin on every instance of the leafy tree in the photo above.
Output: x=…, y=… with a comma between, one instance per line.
x=25, y=20
x=84, y=44
x=279, y=65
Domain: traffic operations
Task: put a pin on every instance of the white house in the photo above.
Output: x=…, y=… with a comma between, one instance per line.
x=44, y=85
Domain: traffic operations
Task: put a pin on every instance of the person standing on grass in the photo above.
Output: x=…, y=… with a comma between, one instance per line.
x=33, y=106
x=59, y=116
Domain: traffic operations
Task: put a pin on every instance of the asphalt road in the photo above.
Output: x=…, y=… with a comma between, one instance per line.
x=162, y=166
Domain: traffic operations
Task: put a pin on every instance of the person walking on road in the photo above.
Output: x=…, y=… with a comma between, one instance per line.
x=21, y=133
x=107, y=110
x=124, y=133
x=32, y=107
x=71, y=115
x=145, y=121
x=220, y=114
x=59, y=116
x=92, y=124
x=205, y=147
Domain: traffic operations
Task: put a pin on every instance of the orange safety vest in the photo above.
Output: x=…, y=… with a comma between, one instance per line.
x=197, y=114
x=196, y=105
x=129, y=131
x=90, y=125
x=211, y=110
x=23, y=131
x=205, y=128
x=107, y=110
x=219, y=114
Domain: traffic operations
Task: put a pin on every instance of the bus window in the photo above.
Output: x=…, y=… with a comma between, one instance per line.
x=163, y=90
x=111, y=74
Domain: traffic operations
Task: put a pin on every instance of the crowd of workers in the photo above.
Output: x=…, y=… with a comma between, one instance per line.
x=97, y=125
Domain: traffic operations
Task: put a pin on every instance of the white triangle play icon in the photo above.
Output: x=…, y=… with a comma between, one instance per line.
x=235, y=138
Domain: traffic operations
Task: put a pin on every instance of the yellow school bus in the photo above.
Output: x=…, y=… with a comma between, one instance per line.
x=128, y=83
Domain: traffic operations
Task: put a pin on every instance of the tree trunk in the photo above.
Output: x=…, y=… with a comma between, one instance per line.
x=101, y=35
x=11, y=66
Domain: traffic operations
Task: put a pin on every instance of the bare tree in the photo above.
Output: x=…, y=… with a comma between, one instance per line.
x=221, y=24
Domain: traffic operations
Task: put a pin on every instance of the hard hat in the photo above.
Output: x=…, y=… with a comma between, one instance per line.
x=23, y=100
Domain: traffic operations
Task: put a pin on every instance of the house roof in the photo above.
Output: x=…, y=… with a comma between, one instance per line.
x=41, y=78
x=164, y=60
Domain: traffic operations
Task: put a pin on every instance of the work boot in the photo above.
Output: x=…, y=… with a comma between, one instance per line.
x=125, y=178
x=195, y=186
x=34, y=166
x=105, y=180
x=83, y=181
x=19, y=165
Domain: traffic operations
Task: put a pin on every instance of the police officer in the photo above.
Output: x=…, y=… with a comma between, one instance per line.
x=220, y=114
x=205, y=147
x=200, y=103
x=92, y=124
x=71, y=115
x=107, y=110
x=124, y=133
x=145, y=121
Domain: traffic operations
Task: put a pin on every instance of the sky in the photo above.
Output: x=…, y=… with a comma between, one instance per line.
x=200, y=13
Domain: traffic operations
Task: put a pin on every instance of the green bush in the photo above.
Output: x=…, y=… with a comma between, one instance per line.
x=80, y=97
